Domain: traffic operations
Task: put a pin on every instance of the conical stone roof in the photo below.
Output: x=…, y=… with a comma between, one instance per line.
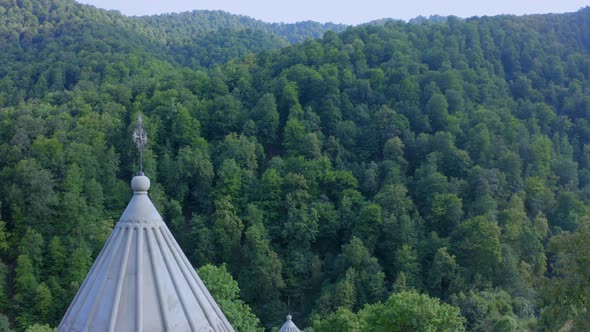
x=142, y=281
x=289, y=326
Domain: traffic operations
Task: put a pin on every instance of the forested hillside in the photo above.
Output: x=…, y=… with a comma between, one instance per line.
x=364, y=177
x=71, y=37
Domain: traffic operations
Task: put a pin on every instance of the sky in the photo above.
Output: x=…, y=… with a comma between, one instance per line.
x=343, y=11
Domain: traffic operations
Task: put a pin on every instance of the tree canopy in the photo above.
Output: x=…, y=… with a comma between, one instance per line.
x=344, y=174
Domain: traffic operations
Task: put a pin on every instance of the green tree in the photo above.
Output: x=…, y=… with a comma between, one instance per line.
x=364, y=273
x=40, y=328
x=341, y=320
x=260, y=278
x=266, y=117
x=446, y=213
x=484, y=309
x=539, y=198
x=243, y=150
x=227, y=228
x=540, y=156
x=190, y=176
x=429, y=182
x=226, y=113
x=225, y=291
x=476, y=243
x=437, y=111
x=43, y=302
x=78, y=266
x=229, y=181
x=444, y=277
x=567, y=290
x=301, y=222
x=31, y=245
x=269, y=198
x=410, y=311
x=31, y=196
x=506, y=324
x=25, y=286
x=294, y=135
x=367, y=227
x=407, y=263
x=4, y=295
x=4, y=323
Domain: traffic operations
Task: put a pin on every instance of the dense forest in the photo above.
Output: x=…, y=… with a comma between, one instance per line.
x=397, y=176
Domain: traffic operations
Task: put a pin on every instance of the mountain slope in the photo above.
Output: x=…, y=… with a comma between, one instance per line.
x=36, y=34
x=449, y=158
x=187, y=25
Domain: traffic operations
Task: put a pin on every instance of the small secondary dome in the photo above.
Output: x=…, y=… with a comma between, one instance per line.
x=289, y=326
x=142, y=281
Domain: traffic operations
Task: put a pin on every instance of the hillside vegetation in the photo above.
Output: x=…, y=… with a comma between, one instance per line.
x=372, y=177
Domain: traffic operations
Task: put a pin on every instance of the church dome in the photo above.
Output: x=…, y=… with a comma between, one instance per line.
x=289, y=326
x=142, y=281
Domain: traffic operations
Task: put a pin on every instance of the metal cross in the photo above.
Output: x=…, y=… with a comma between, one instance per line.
x=140, y=140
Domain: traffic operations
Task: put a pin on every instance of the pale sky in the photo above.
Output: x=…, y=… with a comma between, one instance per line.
x=343, y=11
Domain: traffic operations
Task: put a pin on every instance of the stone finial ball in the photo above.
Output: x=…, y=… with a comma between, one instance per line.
x=140, y=183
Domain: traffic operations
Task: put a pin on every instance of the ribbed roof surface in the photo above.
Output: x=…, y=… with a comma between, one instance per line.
x=142, y=281
x=289, y=326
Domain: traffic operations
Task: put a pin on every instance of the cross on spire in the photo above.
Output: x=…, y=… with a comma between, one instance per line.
x=140, y=140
